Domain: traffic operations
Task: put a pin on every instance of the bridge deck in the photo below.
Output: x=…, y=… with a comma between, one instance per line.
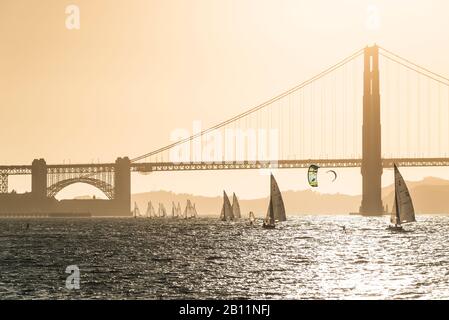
x=285, y=164
x=60, y=168
x=170, y=166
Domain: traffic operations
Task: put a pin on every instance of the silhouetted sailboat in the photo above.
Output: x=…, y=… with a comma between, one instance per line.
x=174, y=210
x=136, y=211
x=403, y=211
x=252, y=218
x=189, y=211
x=178, y=210
x=162, y=212
x=226, y=211
x=269, y=222
x=186, y=209
x=235, y=207
x=278, y=202
x=194, y=212
x=276, y=208
x=150, y=211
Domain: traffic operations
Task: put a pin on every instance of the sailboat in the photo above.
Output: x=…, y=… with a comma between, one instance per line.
x=235, y=207
x=194, y=212
x=178, y=211
x=174, y=210
x=269, y=222
x=186, y=209
x=136, y=211
x=252, y=218
x=226, y=211
x=150, y=211
x=190, y=210
x=162, y=212
x=276, y=208
x=403, y=211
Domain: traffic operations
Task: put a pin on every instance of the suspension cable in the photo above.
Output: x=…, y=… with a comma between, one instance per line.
x=418, y=71
x=414, y=64
x=258, y=107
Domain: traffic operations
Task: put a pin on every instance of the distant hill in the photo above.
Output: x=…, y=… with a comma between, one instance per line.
x=429, y=196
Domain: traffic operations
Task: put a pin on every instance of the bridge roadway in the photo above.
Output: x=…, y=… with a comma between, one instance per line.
x=285, y=164
x=244, y=165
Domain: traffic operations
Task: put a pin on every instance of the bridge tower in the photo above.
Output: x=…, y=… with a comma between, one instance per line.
x=371, y=140
x=39, y=179
x=122, y=190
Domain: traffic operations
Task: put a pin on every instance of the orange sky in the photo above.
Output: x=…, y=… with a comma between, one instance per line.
x=138, y=69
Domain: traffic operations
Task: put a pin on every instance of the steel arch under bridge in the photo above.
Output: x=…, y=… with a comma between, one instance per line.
x=100, y=176
x=107, y=188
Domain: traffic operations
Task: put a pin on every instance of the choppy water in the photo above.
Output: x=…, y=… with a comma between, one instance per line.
x=307, y=257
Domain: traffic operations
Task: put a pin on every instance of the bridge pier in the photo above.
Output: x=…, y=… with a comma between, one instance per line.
x=371, y=140
x=39, y=179
x=122, y=180
x=114, y=179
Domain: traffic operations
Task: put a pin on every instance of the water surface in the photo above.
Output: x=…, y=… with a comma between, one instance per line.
x=308, y=257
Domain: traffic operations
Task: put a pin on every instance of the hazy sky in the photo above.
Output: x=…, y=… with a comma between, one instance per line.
x=136, y=70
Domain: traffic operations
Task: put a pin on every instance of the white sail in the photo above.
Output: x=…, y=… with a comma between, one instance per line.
x=174, y=213
x=147, y=213
x=153, y=211
x=252, y=218
x=188, y=210
x=178, y=210
x=194, y=213
x=226, y=210
x=277, y=202
x=136, y=210
x=159, y=210
x=164, y=211
x=235, y=207
x=269, y=219
x=404, y=211
x=185, y=210
x=150, y=211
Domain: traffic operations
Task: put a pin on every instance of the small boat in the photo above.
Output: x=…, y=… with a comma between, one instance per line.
x=269, y=222
x=276, y=208
x=162, y=212
x=227, y=213
x=252, y=218
x=403, y=211
x=150, y=211
x=236, y=207
x=190, y=211
x=194, y=212
x=174, y=210
x=178, y=210
x=136, y=211
x=186, y=210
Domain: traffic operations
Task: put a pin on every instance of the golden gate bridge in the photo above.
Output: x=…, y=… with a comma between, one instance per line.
x=369, y=110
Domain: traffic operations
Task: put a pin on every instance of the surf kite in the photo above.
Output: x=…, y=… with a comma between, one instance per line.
x=312, y=175
x=335, y=174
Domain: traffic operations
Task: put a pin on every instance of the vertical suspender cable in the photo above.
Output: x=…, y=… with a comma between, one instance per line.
x=429, y=125
x=439, y=120
x=408, y=112
x=418, y=115
x=344, y=88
